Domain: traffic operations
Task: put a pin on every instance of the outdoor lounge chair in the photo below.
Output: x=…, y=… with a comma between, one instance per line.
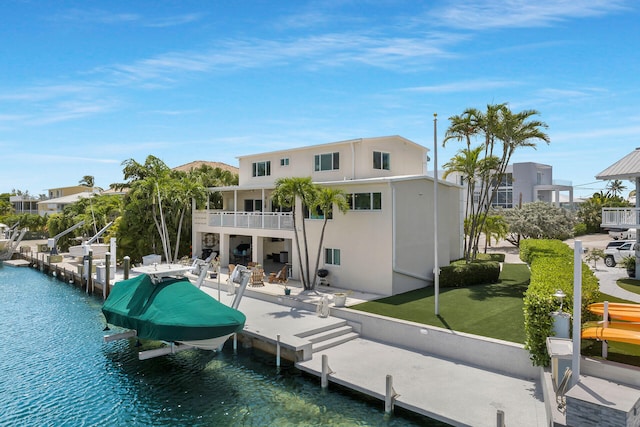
x=279, y=277
x=257, y=276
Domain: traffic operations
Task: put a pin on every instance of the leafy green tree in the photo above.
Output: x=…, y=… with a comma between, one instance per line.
x=590, y=211
x=157, y=209
x=538, y=220
x=504, y=132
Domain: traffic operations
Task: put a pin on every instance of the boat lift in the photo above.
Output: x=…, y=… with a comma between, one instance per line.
x=53, y=241
x=13, y=243
x=241, y=276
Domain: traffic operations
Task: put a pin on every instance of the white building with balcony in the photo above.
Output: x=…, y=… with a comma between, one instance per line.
x=384, y=244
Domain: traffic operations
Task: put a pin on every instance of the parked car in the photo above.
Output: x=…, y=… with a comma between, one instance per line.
x=618, y=234
x=615, y=253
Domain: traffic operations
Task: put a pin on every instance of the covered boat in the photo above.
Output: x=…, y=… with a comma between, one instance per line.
x=172, y=310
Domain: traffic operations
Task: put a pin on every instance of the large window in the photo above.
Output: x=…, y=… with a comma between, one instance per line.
x=327, y=162
x=262, y=168
x=365, y=201
x=332, y=256
x=381, y=160
x=252, y=205
x=317, y=214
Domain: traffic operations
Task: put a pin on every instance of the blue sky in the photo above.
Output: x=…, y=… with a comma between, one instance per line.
x=85, y=85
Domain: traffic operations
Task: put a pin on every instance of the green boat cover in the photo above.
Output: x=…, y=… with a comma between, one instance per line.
x=172, y=310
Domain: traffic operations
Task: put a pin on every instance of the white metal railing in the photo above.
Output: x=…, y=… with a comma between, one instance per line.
x=270, y=220
x=621, y=217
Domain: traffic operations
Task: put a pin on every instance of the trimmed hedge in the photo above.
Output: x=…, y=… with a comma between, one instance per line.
x=476, y=273
x=551, y=263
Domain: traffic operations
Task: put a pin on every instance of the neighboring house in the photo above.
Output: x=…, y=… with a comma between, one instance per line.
x=57, y=204
x=529, y=182
x=27, y=204
x=384, y=244
x=24, y=204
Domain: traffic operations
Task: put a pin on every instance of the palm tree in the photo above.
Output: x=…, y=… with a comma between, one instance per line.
x=326, y=198
x=616, y=187
x=87, y=181
x=286, y=194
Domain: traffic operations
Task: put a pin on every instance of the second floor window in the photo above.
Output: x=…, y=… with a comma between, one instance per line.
x=365, y=201
x=327, y=162
x=381, y=160
x=262, y=168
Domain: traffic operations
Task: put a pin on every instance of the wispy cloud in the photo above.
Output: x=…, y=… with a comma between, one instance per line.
x=463, y=86
x=98, y=16
x=483, y=14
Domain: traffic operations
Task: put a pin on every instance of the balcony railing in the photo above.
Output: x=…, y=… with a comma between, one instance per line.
x=269, y=220
x=620, y=217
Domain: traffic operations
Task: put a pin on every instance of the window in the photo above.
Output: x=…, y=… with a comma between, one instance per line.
x=317, y=214
x=284, y=161
x=252, y=205
x=381, y=160
x=327, y=162
x=365, y=201
x=332, y=256
x=262, y=168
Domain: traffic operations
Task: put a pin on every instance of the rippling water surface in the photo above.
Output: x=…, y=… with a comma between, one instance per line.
x=56, y=371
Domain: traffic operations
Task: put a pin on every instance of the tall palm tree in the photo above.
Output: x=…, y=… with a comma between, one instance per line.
x=286, y=194
x=325, y=200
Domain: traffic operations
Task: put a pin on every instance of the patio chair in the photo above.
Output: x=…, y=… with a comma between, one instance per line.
x=257, y=276
x=279, y=277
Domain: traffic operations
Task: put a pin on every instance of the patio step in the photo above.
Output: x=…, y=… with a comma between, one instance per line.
x=331, y=338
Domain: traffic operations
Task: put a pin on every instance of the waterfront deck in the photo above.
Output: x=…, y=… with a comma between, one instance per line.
x=460, y=390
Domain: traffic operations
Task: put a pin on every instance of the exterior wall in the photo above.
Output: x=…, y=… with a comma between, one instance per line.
x=525, y=177
x=364, y=240
x=67, y=191
x=356, y=161
x=414, y=232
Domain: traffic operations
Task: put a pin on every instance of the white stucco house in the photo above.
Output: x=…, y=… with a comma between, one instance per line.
x=384, y=244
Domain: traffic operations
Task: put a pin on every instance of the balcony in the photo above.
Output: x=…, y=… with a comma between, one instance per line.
x=263, y=220
x=620, y=218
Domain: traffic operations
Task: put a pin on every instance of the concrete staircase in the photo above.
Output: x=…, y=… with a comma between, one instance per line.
x=331, y=336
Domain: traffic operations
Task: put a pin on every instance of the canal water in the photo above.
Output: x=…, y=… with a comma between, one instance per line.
x=56, y=371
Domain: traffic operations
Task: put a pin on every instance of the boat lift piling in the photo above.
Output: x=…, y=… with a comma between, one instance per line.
x=278, y=350
x=390, y=395
x=326, y=371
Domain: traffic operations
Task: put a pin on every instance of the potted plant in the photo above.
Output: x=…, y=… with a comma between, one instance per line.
x=287, y=290
x=629, y=262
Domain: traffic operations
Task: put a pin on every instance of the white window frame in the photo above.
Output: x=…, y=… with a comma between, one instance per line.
x=266, y=164
x=382, y=156
x=331, y=259
x=317, y=161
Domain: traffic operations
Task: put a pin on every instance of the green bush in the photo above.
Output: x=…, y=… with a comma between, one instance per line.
x=475, y=273
x=580, y=229
x=533, y=248
x=551, y=270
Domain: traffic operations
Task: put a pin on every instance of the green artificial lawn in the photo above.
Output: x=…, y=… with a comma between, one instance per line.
x=495, y=310
x=630, y=285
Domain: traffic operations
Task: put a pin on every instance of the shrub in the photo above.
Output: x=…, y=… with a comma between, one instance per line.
x=533, y=248
x=551, y=269
x=475, y=273
x=580, y=229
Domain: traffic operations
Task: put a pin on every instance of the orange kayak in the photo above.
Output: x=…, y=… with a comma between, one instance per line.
x=611, y=334
x=618, y=311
